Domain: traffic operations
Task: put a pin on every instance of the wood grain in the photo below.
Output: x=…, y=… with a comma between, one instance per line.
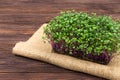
x=19, y=19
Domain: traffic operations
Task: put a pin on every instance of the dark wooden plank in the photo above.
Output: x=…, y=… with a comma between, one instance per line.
x=88, y=1
x=45, y=76
x=19, y=19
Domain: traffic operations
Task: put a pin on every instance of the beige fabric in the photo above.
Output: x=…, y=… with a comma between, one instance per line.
x=35, y=48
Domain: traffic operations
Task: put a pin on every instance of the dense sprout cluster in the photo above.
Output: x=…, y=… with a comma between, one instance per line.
x=83, y=35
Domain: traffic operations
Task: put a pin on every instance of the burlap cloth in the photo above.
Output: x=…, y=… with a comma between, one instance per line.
x=35, y=48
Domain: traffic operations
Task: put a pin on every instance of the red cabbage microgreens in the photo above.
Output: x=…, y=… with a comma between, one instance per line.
x=83, y=35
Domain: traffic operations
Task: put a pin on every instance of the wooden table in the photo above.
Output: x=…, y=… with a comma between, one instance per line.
x=19, y=19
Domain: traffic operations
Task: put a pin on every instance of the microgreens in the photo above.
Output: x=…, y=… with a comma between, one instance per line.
x=91, y=34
